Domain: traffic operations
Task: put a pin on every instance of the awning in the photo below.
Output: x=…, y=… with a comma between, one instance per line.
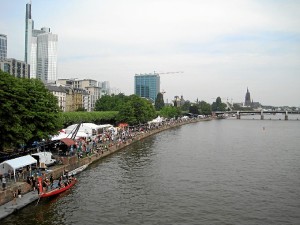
x=68, y=141
x=14, y=164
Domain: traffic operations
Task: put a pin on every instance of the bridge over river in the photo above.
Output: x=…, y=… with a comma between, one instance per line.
x=261, y=113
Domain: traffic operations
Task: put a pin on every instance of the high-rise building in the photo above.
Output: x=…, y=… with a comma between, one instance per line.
x=15, y=67
x=40, y=50
x=28, y=33
x=105, y=87
x=3, y=46
x=147, y=85
x=46, y=63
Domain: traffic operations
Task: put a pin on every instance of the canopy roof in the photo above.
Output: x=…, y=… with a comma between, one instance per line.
x=84, y=127
x=20, y=161
x=68, y=141
x=14, y=164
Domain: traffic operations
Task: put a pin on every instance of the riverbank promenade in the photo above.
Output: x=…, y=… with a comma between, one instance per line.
x=69, y=163
x=11, y=206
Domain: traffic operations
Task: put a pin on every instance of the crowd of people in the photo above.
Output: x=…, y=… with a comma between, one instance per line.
x=117, y=136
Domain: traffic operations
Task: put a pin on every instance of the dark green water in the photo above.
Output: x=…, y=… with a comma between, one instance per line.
x=217, y=172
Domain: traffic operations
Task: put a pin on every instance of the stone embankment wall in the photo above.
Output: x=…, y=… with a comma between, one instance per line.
x=73, y=162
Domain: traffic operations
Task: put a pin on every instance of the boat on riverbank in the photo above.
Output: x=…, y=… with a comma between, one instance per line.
x=77, y=170
x=57, y=190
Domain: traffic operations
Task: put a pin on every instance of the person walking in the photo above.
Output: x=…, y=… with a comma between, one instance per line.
x=3, y=183
x=19, y=192
x=15, y=198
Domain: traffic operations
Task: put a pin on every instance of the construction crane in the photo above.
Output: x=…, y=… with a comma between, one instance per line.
x=159, y=73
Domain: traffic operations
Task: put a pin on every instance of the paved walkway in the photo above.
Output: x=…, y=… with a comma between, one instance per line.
x=8, y=208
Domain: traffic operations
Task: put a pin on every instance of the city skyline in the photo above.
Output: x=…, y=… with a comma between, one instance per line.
x=222, y=47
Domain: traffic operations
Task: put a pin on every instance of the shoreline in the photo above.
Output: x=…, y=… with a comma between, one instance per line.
x=71, y=163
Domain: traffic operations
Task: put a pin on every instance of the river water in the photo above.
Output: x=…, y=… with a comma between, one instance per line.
x=217, y=172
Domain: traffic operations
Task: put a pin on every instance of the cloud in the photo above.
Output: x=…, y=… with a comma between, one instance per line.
x=222, y=46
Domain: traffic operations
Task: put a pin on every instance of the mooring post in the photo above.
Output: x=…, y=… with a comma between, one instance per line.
x=261, y=114
x=286, y=117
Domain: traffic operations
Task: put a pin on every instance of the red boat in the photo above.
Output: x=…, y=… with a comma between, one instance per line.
x=55, y=191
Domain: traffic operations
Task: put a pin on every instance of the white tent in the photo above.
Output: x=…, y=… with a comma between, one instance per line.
x=60, y=136
x=156, y=120
x=17, y=163
x=82, y=134
x=84, y=127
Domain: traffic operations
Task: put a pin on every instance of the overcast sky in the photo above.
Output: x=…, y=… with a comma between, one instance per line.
x=221, y=46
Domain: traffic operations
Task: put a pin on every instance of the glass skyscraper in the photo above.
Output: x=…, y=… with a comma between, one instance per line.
x=3, y=46
x=46, y=63
x=40, y=50
x=147, y=85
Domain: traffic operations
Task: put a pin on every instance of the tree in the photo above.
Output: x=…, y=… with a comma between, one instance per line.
x=218, y=105
x=80, y=109
x=110, y=103
x=194, y=109
x=170, y=112
x=159, y=102
x=205, y=108
x=136, y=110
x=186, y=105
x=28, y=111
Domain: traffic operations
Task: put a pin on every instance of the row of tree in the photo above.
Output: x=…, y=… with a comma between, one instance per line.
x=29, y=112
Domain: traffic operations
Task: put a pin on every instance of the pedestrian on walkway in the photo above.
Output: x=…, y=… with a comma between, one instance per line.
x=19, y=192
x=15, y=198
x=3, y=183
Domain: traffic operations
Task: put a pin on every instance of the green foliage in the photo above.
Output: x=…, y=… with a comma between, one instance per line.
x=159, y=102
x=194, y=109
x=136, y=110
x=218, y=105
x=110, y=103
x=170, y=112
x=28, y=111
x=205, y=108
x=186, y=106
x=80, y=109
x=69, y=118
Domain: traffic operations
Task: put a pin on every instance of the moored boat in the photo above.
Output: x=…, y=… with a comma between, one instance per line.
x=55, y=191
x=77, y=170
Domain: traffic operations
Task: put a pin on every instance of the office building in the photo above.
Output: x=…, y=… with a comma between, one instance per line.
x=105, y=87
x=15, y=67
x=3, y=46
x=46, y=63
x=40, y=50
x=147, y=85
x=28, y=33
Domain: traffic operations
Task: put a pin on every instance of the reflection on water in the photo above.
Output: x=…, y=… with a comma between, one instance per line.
x=219, y=172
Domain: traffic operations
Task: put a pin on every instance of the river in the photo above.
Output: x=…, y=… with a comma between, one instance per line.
x=216, y=172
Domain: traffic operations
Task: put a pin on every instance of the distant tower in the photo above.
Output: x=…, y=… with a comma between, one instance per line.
x=147, y=85
x=247, y=98
x=28, y=33
x=3, y=46
x=46, y=61
x=40, y=50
